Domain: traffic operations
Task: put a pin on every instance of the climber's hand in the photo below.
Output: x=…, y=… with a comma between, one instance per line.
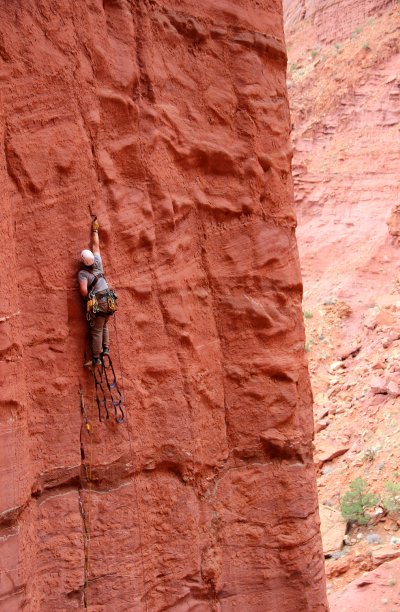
x=95, y=236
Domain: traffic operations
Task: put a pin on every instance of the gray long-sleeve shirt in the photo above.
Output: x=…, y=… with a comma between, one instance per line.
x=87, y=273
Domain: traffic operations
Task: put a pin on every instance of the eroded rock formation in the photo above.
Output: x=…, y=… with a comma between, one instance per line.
x=170, y=120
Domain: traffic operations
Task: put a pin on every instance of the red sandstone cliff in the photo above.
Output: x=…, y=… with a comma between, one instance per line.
x=170, y=120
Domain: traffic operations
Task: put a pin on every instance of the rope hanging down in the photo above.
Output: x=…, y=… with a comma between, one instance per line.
x=106, y=383
x=86, y=515
x=135, y=483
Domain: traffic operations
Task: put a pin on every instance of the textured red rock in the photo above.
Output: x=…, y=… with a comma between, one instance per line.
x=379, y=384
x=330, y=23
x=387, y=553
x=171, y=121
x=343, y=204
x=328, y=450
x=394, y=222
x=376, y=590
x=333, y=529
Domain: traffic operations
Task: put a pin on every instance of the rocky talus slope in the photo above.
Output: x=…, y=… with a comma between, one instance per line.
x=170, y=121
x=345, y=103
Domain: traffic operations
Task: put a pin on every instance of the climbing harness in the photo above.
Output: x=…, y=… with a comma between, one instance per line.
x=92, y=304
x=112, y=301
x=93, y=309
x=92, y=301
x=105, y=380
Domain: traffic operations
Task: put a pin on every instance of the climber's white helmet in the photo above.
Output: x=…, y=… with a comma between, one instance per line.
x=87, y=257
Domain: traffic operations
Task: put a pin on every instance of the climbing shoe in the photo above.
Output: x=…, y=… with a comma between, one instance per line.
x=95, y=361
x=106, y=350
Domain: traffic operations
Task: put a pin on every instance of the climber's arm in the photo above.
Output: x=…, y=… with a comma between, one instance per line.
x=95, y=237
x=83, y=288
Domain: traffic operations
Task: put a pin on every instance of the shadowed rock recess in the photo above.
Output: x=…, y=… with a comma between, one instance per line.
x=170, y=120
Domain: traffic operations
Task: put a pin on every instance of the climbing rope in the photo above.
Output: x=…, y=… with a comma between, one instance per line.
x=87, y=517
x=135, y=484
x=119, y=354
x=105, y=378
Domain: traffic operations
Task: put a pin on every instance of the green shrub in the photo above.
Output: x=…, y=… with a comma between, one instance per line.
x=357, y=501
x=308, y=314
x=314, y=53
x=391, y=501
x=366, y=45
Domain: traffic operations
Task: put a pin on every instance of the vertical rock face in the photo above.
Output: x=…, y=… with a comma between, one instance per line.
x=170, y=121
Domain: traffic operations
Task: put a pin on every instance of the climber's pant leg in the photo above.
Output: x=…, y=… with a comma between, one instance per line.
x=97, y=335
x=100, y=333
x=106, y=335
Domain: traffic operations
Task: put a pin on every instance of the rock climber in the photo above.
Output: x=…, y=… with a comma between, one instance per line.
x=100, y=300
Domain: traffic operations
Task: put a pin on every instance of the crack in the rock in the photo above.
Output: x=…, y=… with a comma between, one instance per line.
x=84, y=123
x=86, y=541
x=10, y=517
x=206, y=269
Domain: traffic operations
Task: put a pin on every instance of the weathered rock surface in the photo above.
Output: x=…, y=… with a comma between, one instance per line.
x=381, y=555
x=328, y=450
x=333, y=529
x=377, y=590
x=332, y=20
x=345, y=188
x=169, y=120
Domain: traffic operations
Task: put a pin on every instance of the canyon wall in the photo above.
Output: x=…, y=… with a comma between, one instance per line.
x=333, y=20
x=345, y=113
x=170, y=121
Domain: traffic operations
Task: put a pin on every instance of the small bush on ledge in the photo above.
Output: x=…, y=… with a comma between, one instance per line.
x=357, y=501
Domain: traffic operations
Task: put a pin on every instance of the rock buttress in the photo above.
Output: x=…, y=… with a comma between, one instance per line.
x=170, y=120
